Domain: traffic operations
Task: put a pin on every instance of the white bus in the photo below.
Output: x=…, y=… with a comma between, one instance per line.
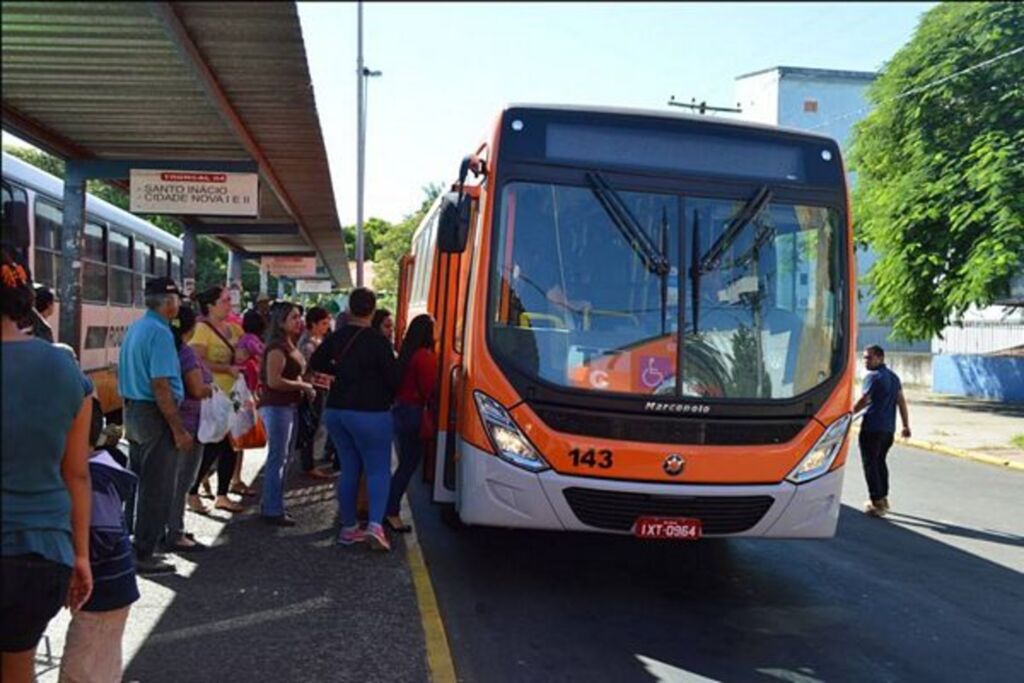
x=119, y=252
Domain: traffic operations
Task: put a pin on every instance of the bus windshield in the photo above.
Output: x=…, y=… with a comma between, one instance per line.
x=751, y=287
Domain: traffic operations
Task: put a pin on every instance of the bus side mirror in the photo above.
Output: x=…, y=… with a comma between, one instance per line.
x=453, y=223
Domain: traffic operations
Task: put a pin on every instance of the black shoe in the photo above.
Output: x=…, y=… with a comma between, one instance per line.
x=280, y=520
x=151, y=565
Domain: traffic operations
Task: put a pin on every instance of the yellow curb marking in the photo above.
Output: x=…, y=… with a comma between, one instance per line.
x=439, y=656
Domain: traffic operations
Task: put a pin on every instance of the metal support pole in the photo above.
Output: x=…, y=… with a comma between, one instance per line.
x=235, y=278
x=264, y=281
x=359, y=144
x=188, y=261
x=70, y=280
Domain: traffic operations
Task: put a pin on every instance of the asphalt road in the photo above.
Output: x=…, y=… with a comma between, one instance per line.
x=933, y=593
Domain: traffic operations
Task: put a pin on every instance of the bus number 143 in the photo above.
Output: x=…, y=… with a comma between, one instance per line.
x=591, y=458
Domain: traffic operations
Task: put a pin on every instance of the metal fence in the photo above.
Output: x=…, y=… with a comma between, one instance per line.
x=979, y=337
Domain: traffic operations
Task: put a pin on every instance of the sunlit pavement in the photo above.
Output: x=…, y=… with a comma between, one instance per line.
x=933, y=593
x=271, y=604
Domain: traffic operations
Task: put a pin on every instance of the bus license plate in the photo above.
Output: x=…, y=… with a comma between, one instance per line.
x=668, y=528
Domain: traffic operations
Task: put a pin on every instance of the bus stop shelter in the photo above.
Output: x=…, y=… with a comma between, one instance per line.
x=194, y=86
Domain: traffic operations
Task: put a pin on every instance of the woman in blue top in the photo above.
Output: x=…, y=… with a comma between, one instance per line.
x=44, y=450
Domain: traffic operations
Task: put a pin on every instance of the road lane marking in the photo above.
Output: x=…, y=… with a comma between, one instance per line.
x=239, y=622
x=439, y=655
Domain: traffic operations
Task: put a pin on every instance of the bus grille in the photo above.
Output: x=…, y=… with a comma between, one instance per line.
x=618, y=510
x=669, y=430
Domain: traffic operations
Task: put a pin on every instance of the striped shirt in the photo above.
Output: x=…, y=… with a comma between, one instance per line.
x=110, y=550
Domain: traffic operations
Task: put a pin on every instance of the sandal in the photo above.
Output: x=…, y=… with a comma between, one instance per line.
x=240, y=489
x=196, y=504
x=320, y=473
x=230, y=506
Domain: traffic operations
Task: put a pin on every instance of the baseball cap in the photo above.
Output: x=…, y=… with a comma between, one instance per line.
x=162, y=285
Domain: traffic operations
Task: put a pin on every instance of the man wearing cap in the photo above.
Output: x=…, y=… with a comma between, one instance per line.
x=149, y=379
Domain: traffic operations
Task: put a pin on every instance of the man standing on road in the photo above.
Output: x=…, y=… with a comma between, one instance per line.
x=149, y=379
x=882, y=393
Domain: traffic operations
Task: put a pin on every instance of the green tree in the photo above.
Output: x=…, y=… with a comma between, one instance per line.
x=373, y=230
x=940, y=164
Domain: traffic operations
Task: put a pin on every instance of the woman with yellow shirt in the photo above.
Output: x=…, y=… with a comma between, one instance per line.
x=214, y=341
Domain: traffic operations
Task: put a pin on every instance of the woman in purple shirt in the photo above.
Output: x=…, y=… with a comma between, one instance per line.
x=197, y=381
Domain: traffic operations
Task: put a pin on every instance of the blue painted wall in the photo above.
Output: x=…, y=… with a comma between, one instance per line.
x=995, y=377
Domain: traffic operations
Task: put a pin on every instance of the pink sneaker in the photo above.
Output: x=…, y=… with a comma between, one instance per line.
x=351, y=535
x=376, y=538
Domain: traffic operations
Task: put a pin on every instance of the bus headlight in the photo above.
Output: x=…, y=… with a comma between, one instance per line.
x=509, y=442
x=822, y=454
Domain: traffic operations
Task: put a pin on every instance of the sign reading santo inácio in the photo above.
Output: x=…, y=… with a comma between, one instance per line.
x=195, y=193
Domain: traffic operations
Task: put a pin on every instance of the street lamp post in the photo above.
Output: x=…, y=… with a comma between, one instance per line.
x=362, y=82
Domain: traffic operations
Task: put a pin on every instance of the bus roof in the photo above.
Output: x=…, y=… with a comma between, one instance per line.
x=44, y=183
x=661, y=114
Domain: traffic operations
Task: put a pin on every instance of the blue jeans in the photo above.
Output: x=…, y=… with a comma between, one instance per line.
x=410, y=451
x=363, y=440
x=278, y=421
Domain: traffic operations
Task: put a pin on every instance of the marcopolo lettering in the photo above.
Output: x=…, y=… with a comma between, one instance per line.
x=676, y=408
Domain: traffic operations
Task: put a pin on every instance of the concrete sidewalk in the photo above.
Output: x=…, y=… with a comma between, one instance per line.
x=272, y=604
x=967, y=427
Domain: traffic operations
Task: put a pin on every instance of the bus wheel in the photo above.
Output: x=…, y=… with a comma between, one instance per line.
x=450, y=517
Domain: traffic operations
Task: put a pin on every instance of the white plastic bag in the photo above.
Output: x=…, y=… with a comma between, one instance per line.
x=243, y=416
x=214, y=417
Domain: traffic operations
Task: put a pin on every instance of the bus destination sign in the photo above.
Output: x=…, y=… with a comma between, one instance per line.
x=195, y=193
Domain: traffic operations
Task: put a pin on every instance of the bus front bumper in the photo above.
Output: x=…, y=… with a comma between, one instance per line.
x=492, y=492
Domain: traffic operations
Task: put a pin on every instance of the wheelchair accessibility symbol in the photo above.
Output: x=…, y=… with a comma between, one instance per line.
x=654, y=370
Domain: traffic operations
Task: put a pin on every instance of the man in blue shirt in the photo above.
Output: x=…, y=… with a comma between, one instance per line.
x=149, y=379
x=883, y=392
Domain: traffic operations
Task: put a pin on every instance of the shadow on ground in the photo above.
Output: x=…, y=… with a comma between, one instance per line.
x=877, y=603
x=280, y=605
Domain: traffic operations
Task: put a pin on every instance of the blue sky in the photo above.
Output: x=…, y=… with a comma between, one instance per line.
x=449, y=67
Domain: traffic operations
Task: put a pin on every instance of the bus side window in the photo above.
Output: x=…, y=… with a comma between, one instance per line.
x=15, y=235
x=120, y=268
x=176, y=268
x=143, y=268
x=94, y=263
x=49, y=219
x=161, y=263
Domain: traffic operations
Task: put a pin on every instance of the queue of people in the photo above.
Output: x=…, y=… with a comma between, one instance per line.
x=71, y=539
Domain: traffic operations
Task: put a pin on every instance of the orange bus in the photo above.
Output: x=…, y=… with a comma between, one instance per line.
x=645, y=325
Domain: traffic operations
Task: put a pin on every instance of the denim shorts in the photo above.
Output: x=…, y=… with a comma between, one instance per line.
x=34, y=590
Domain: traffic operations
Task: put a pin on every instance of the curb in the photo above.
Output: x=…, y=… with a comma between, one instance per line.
x=957, y=452
x=439, y=656
x=960, y=453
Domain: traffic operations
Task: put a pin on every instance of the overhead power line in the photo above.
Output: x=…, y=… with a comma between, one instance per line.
x=922, y=88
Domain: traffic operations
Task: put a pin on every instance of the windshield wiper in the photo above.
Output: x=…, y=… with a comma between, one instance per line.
x=664, y=279
x=653, y=259
x=695, y=273
x=709, y=261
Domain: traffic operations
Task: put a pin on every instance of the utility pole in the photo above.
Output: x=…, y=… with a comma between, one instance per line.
x=703, y=107
x=359, y=146
x=362, y=82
